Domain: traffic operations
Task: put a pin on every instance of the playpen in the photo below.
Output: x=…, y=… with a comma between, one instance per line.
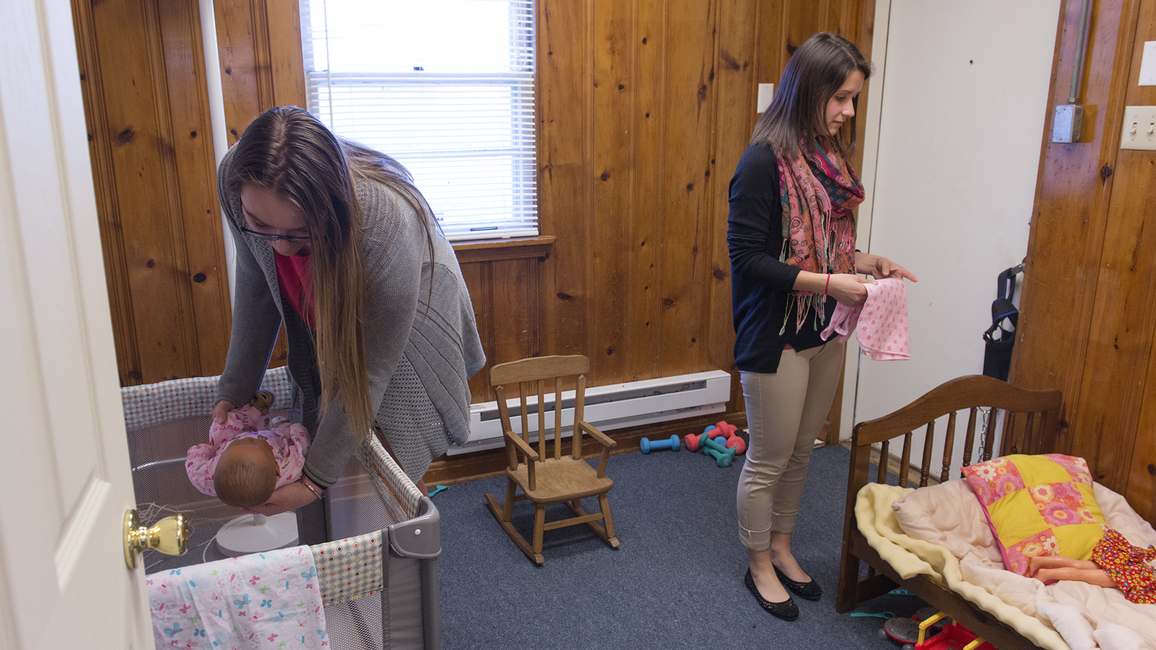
x=373, y=499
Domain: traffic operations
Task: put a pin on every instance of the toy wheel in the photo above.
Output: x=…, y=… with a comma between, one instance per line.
x=902, y=630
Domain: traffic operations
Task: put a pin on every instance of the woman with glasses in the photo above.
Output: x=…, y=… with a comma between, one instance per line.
x=335, y=241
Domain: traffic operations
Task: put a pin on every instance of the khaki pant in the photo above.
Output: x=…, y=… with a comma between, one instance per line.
x=786, y=411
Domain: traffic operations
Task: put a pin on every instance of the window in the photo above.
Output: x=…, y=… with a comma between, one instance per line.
x=444, y=86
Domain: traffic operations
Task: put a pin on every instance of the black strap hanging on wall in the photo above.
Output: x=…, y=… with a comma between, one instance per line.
x=1001, y=336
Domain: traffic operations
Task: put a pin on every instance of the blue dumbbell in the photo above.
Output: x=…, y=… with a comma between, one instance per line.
x=671, y=444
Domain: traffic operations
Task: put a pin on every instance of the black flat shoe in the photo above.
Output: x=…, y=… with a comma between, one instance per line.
x=786, y=610
x=809, y=590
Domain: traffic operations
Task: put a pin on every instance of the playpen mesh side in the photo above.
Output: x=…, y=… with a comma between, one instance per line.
x=163, y=420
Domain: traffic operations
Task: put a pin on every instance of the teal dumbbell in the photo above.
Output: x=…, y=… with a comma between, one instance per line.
x=671, y=444
x=723, y=455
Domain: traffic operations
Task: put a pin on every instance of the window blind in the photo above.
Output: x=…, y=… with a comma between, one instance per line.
x=444, y=86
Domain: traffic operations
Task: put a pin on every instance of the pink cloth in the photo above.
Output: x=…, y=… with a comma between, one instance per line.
x=290, y=443
x=880, y=324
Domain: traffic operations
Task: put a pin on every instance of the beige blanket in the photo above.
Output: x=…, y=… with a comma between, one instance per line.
x=942, y=533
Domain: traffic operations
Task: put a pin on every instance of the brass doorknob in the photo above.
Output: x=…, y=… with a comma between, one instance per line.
x=169, y=536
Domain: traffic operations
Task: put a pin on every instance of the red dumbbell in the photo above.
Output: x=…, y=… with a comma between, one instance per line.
x=737, y=443
x=724, y=429
x=692, y=440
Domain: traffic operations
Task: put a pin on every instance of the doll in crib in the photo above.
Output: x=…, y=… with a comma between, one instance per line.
x=1115, y=563
x=249, y=456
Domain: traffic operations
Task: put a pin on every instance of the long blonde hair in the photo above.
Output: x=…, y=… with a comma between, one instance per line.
x=289, y=152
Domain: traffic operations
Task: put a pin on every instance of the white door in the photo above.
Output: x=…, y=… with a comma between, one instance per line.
x=65, y=481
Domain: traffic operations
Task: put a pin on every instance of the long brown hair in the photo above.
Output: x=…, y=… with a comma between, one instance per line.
x=816, y=71
x=291, y=153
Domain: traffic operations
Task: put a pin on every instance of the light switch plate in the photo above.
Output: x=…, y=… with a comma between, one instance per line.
x=1148, y=64
x=766, y=93
x=1139, y=130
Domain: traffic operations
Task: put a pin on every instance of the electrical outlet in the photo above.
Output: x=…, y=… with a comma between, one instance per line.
x=1139, y=130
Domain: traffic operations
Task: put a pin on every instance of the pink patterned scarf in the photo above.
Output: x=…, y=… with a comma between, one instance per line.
x=818, y=190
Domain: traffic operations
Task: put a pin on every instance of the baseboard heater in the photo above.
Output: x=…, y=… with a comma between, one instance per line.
x=608, y=407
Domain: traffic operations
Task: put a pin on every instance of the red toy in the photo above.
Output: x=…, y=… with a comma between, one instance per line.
x=728, y=432
x=953, y=637
x=723, y=429
x=692, y=441
x=738, y=444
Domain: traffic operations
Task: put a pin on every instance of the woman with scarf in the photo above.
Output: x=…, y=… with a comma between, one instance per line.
x=791, y=237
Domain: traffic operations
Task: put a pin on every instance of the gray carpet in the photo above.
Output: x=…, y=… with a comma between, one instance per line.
x=676, y=581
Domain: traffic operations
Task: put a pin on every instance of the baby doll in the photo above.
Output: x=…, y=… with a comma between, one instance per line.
x=1115, y=563
x=249, y=456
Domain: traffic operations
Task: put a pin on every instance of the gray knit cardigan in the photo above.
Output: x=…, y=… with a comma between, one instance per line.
x=421, y=347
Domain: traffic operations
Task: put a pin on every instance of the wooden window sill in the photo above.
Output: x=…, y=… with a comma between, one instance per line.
x=492, y=250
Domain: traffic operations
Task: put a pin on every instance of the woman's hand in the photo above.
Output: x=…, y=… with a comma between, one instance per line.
x=880, y=267
x=285, y=499
x=848, y=289
x=221, y=411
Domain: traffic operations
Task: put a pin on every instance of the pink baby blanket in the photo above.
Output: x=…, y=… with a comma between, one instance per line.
x=880, y=324
x=265, y=600
x=290, y=443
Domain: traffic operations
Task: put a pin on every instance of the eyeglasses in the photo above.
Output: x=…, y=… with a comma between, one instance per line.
x=271, y=237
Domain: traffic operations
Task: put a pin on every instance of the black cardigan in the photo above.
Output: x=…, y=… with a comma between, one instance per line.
x=760, y=283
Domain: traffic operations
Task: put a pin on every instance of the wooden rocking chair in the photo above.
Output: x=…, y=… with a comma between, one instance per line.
x=542, y=479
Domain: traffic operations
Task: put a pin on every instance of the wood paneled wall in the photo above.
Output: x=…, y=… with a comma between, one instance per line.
x=147, y=110
x=1088, y=315
x=645, y=107
x=152, y=157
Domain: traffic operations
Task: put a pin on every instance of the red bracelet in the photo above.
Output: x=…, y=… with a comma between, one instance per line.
x=827, y=286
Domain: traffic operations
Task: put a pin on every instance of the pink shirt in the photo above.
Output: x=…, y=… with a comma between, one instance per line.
x=295, y=279
x=881, y=321
x=290, y=442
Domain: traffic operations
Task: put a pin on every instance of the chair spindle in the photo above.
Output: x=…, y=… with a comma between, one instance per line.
x=558, y=417
x=579, y=414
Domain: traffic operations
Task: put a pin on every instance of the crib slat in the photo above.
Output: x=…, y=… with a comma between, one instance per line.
x=883, y=458
x=1030, y=432
x=1043, y=429
x=905, y=461
x=1009, y=427
x=989, y=439
x=926, y=464
x=969, y=439
x=948, y=448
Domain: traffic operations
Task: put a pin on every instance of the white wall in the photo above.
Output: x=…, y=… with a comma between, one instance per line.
x=954, y=130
